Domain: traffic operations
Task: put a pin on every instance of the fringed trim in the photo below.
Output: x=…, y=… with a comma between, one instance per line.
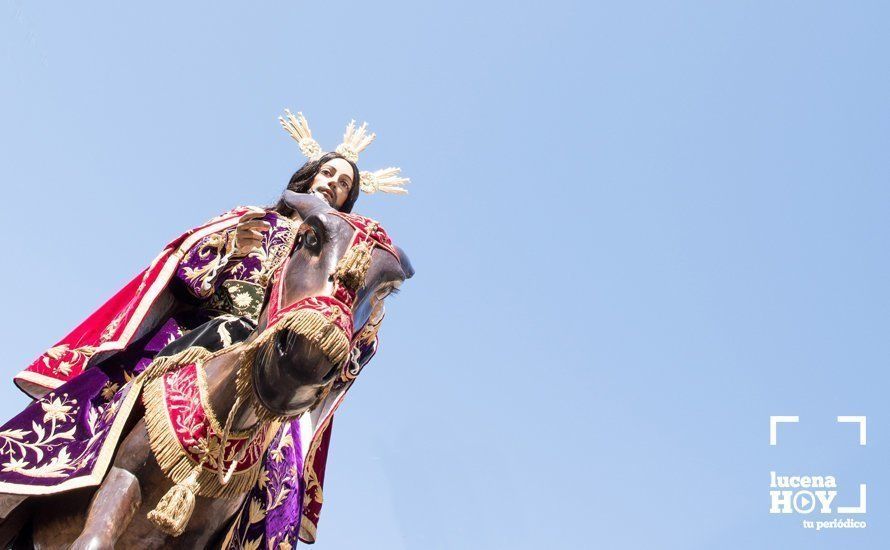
x=175, y=462
x=311, y=324
x=162, y=365
x=315, y=326
x=321, y=331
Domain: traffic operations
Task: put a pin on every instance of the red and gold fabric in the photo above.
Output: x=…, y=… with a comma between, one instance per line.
x=185, y=433
x=200, y=259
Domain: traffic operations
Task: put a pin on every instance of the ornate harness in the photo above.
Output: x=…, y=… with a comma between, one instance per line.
x=203, y=457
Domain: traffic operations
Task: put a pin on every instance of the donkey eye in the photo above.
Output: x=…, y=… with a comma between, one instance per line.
x=385, y=292
x=310, y=239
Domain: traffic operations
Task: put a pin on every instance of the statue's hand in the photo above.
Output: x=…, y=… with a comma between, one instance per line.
x=249, y=233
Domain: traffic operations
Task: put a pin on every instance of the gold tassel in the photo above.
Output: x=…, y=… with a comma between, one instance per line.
x=354, y=265
x=175, y=508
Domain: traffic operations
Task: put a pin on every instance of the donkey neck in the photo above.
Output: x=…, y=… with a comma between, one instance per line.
x=221, y=373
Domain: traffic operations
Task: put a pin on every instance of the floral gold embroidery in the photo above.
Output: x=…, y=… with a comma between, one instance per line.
x=25, y=449
x=108, y=334
x=224, y=335
x=210, y=252
x=183, y=432
x=57, y=410
x=109, y=390
x=264, y=478
x=57, y=351
x=242, y=299
x=61, y=359
x=256, y=512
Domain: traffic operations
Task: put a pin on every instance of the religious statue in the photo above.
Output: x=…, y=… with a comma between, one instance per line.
x=194, y=408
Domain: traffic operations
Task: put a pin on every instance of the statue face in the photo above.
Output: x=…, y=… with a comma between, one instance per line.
x=333, y=182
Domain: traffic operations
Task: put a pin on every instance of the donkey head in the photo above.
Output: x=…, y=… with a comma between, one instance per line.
x=321, y=305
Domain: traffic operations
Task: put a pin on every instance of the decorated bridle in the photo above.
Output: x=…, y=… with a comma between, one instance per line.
x=327, y=321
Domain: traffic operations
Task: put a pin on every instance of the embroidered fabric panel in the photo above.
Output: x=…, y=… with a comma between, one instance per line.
x=198, y=434
x=239, y=298
x=113, y=325
x=58, y=439
x=270, y=514
x=209, y=263
x=59, y=436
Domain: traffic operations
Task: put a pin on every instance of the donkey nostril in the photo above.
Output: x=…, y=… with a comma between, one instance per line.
x=281, y=343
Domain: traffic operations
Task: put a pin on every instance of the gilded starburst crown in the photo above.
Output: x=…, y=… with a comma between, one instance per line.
x=355, y=140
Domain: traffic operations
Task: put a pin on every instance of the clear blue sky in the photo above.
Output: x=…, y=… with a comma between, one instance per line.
x=640, y=228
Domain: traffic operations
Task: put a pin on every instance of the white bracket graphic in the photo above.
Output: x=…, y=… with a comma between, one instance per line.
x=774, y=421
x=858, y=420
x=855, y=509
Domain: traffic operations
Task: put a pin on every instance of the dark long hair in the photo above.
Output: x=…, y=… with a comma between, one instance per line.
x=301, y=181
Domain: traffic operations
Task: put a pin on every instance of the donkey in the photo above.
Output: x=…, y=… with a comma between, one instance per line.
x=289, y=375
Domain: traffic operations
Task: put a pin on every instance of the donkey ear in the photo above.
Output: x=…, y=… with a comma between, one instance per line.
x=407, y=268
x=305, y=204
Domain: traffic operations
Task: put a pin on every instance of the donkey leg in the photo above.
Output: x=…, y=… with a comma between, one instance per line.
x=16, y=513
x=111, y=510
x=8, y=503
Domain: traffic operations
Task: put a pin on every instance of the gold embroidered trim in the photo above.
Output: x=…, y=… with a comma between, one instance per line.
x=175, y=462
x=281, y=252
